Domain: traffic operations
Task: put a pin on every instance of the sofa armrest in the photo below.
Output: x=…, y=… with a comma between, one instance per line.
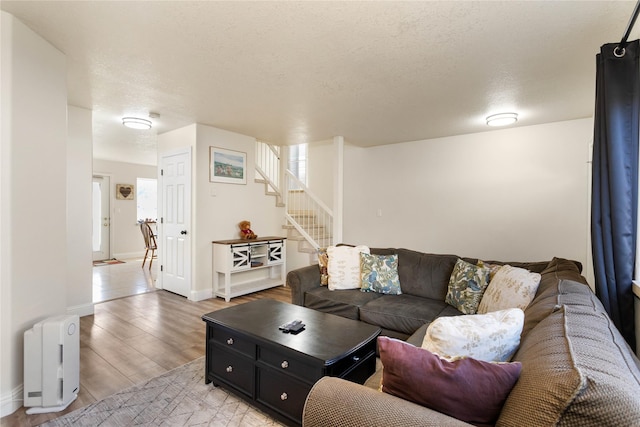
x=302, y=280
x=334, y=402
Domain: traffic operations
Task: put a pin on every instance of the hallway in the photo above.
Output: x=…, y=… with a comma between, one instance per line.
x=122, y=280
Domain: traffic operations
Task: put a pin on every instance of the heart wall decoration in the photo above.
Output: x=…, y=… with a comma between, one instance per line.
x=124, y=191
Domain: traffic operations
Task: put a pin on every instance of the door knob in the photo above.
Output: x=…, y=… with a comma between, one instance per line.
x=183, y=232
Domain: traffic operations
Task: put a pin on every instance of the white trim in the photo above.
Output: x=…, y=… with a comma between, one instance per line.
x=12, y=401
x=81, y=310
x=338, y=188
x=201, y=295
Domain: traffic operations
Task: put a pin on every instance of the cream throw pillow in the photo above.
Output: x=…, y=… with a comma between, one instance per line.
x=344, y=266
x=492, y=337
x=511, y=287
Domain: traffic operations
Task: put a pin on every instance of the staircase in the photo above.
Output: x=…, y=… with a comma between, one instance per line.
x=307, y=219
x=268, y=170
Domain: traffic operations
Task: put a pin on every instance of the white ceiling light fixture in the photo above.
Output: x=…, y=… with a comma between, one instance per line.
x=502, y=119
x=136, y=123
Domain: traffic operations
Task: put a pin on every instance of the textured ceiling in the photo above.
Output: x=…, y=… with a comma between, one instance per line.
x=292, y=72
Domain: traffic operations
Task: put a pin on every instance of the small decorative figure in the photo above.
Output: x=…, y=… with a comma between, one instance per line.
x=245, y=231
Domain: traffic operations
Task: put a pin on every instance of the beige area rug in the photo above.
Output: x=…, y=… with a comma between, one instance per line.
x=177, y=398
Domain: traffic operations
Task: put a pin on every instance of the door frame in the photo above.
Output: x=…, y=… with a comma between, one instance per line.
x=110, y=198
x=160, y=222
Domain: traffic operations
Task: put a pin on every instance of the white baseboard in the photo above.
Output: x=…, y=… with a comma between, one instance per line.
x=201, y=295
x=81, y=310
x=12, y=401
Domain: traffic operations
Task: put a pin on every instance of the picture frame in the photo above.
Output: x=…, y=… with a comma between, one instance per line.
x=227, y=166
x=125, y=192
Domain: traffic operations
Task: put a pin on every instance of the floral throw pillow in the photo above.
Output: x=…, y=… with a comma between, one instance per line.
x=511, y=287
x=379, y=273
x=466, y=286
x=492, y=337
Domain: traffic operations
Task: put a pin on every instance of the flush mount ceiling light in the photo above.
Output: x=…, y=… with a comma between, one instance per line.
x=502, y=119
x=136, y=123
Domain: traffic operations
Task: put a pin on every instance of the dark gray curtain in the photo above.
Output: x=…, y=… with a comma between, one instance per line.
x=615, y=182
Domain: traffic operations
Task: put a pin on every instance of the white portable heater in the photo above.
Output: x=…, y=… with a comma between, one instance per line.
x=52, y=364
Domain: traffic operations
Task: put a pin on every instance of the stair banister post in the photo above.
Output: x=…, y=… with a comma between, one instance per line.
x=284, y=182
x=338, y=187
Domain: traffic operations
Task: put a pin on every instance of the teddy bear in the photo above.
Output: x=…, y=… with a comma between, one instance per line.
x=245, y=231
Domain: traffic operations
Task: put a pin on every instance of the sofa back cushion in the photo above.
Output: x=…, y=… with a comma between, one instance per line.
x=576, y=369
x=421, y=274
x=549, y=380
x=547, y=295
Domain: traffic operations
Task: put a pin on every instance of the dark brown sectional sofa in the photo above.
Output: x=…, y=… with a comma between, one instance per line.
x=577, y=370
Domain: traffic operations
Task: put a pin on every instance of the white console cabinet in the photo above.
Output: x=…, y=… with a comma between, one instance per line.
x=241, y=266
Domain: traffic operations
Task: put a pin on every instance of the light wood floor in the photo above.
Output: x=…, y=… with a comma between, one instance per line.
x=132, y=339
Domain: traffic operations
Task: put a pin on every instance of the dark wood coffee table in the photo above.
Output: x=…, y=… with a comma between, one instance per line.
x=247, y=353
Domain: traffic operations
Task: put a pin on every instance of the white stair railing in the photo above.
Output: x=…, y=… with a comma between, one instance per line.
x=268, y=165
x=308, y=214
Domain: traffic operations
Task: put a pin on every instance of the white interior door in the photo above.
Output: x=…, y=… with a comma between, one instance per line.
x=101, y=218
x=175, y=222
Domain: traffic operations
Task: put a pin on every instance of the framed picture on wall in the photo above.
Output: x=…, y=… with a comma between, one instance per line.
x=227, y=166
x=125, y=192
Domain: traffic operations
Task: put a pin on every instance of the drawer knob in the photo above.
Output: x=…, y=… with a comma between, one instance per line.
x=229, y=369
x=230, y=341
x=356, y=358
x=284, y=396
x=284, y=364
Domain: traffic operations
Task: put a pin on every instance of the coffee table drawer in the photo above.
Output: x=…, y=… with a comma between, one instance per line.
x=282, y=393
x=340, y=367
x=233, y=340
x=289, y=365
x=233, y=370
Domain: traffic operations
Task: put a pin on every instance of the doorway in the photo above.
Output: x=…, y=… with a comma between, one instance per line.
x=175, y=222
x=101, y=218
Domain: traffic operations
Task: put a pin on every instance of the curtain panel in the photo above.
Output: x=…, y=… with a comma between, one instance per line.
x=615, y=182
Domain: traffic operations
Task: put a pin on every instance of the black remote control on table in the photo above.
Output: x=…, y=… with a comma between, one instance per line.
x=294, y=326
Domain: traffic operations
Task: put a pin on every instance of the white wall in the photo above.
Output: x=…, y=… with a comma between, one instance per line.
x=79, y=223
x=126, y=239
x=516, y=194
x=33, y=227
x=220, y=207
x=320, y=171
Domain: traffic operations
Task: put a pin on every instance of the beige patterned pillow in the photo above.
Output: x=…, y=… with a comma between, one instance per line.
x=511, y=287
x=323, y=262
x=492, y=337
x=344, y=266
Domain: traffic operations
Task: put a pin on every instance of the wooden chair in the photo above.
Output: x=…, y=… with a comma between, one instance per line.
x=149, y=242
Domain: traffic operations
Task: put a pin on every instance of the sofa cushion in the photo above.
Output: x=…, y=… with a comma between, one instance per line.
x=511, y=287
x=344, y=266
x=466, y=286
x=345, y=303
x=605, y=361
x=492, y=337
x=547, y=295
x=577, y=371
x=425, y=275
x=379, y=273
x=404, y=313
x=549, y=381
x=467, y=389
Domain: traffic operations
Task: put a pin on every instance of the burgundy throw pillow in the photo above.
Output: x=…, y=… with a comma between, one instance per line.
x=467, y=389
